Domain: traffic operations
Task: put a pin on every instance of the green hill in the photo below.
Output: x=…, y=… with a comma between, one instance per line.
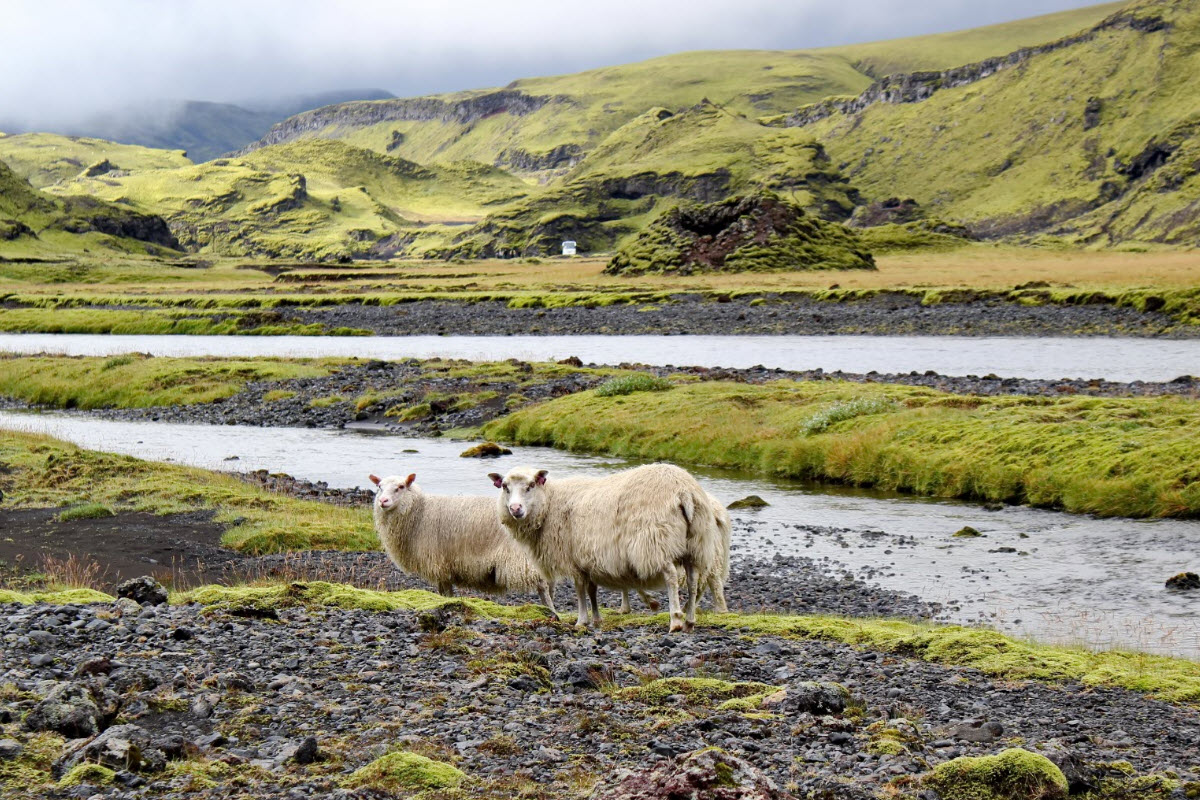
x=1078, y=126
x=33, y=223
x=1092, y=139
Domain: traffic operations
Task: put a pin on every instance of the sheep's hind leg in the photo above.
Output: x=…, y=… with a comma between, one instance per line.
x=650, y=602
x=581, y=584
x=718, y=595
x=446, y=589
x=689, y=621
x=595, y=604
x=625, y=607
x=547, y=599
x=671, y=579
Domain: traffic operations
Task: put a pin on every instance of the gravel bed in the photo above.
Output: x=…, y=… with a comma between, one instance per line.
x=288, y=707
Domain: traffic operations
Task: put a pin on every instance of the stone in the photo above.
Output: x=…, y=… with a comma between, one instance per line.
x=485, y=450
x=144, y=590
x=308, y=751
x=967, y=532
x=68, y=709
x=815, y=698
x=10, y=749
x=750, y=501
x=710, y=774
x=1184, y=581
x=977, y=731
x=579, y=674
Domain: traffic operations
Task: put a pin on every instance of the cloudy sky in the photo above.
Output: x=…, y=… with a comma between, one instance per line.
x=66, y=59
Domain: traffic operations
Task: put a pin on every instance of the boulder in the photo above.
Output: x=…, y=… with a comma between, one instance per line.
x=144, y=590
x=815, y=698
x=485, y=450
x=121, y=747
x=1013, y=774
x=750, y=501
x=1184, y=581
x=69, y=709
x=710, y=774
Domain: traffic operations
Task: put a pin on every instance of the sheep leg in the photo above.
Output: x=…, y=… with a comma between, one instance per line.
x=650, y=602
x=689, y=622
x=446, y=589
x=595, y=604
x=581, y=584
x=625, y=607
x=671, y=579
x=718, y=595
x=547, y=599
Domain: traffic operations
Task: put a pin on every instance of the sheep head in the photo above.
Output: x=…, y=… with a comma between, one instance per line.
x=394, y=491
x=521, y=493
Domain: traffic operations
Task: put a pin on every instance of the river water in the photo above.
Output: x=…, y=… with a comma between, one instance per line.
x=1068, y=578
x=1111, y=359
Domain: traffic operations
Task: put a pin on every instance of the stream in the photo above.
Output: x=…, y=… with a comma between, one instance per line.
x=1046, y=575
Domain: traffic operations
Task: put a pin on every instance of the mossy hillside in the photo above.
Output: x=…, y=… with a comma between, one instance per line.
x=1013, y=774
x=46, y=472
x=45, y=159
x=141, y=381
x=1025, y=155
x=1170, y=679
x=1115, y=457
x=752, y=233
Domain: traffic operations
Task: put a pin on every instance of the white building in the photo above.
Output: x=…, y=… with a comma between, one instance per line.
x=568, y=248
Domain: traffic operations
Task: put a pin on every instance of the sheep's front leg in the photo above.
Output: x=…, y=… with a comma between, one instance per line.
x=690, y=620
x=625, y=607
x=581, y=585
x=446, y=589
x=671, y=578
x=595, y=604
x=547, y=599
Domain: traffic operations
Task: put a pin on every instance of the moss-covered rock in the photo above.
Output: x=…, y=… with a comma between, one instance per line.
x=87, y=773
x=705, y=692
x=967, y=532
x=759, y=232
x=1014, y=774
x=485, y=450
x=405, y=771
x=749, y=501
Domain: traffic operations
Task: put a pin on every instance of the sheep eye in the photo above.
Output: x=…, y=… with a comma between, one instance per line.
x=504, y=486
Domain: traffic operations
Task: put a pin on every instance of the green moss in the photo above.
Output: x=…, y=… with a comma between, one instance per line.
x=31, y=769
x=85, y=511
x=402, y=771
x=750, y=501
x=967, y=532
x=276, y=395
x=705, y=692
x=63, y=597
x=326, y=402
x=87, y=773
x=1011, y=775
x=485, y=450
x=262, y=600
x=638, y=382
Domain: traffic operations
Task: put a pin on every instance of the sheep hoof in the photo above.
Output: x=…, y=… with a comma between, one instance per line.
x=654, y=605
x=676, y=626
x=688, y=627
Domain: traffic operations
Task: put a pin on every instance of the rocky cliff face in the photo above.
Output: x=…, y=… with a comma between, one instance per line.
x=913, y=87
x=418, y=109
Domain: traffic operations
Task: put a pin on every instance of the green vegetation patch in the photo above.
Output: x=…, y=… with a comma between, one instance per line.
x=87, y=773
x=403, y=771
x=57, y=598
x=48, y=473
x=1134, y=457
x=705, y=692
x=264, y=600
x=754, y=233
x=628, y=384
x=85, y=511
x=31, y=769
x=140, y=381
x=1013, y=774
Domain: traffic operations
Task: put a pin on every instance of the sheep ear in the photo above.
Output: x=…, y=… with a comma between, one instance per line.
x=540, y=480
x=374, y=479
x=497, y=479
x=409, y=480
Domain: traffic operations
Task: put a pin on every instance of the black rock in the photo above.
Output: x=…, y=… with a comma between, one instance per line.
x=307, y=752
x=1184, y=581
x=144, y=590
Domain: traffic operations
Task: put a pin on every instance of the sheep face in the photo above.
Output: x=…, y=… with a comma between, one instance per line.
x=393, y=492
x=521, y=492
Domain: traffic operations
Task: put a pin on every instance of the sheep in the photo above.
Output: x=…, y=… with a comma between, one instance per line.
x=718, y=578
x=635, y=529
x=452, y=541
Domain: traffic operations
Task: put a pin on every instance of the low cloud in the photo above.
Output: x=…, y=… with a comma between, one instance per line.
x=68, y=60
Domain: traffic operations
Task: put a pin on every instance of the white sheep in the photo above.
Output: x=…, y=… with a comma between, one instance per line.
x=716, y=579
x=634, y=530
x=452, y=541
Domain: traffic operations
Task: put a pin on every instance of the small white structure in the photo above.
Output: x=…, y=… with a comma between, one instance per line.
x=568, y=248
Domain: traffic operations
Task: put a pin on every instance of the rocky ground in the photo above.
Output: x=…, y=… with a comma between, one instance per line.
x=182, y=703
x=886, y=314
x=403, y=385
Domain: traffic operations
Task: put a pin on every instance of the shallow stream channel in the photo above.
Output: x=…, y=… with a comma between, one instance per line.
x=1046, y=575
x=1049, y=358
